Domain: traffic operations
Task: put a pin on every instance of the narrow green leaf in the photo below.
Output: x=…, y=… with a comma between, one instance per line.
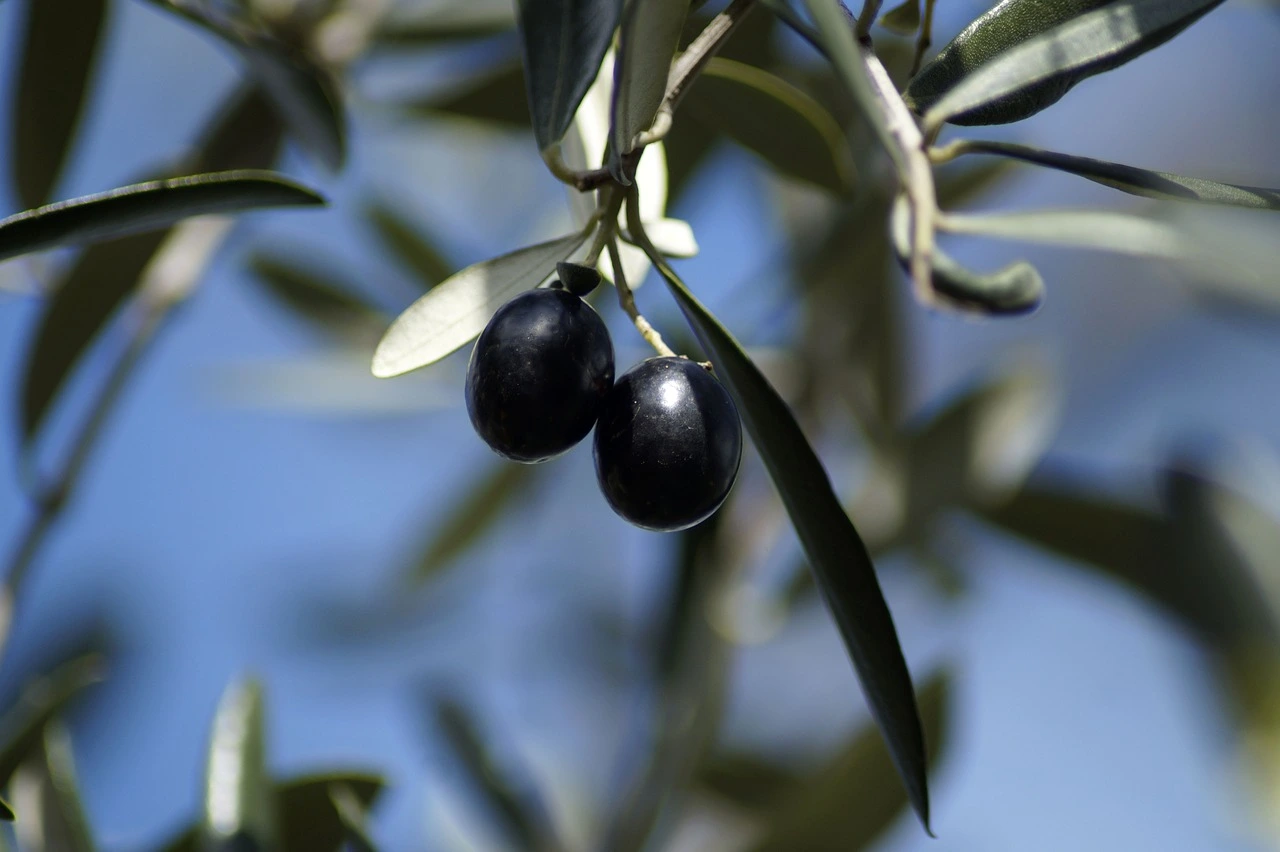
x=850, y=801
x=785, y=126
x=59, y=823
x=1103, y=230
x=563, y=43
x=239, y=801
x=445, y=25
x=22, y=726
x=351, y=813
x=6, y=813
x=903, y=19
x=1012, y=290
x=1135, y=181
x=451, y=314
x=837, y=555
x=243, y=134
x=310, y=820
x=331, y=305
x=1015, y=60
x=512, y=797
x=303, y=92
x=147, y=206
x=408, y=244
x=476, y=512
x=649, y=37
x=58, y=51
x=750, y=782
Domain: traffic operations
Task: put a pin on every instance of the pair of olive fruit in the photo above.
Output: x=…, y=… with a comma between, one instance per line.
x=668, y=440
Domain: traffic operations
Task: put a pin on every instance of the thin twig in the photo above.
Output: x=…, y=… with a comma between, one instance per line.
x=628, y=302
x=924, y=39
x=689, y=64
x=862, y=31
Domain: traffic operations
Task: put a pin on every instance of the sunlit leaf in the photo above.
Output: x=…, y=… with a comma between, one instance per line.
x=303, y=92
x=782, y=124
x=239, y=801
x=452, y=313
x=408, y=244
x=647, y=44
x=836, y=553
x=473, y=515
x=309, y=818
x=333, y=306
x=22, y=726
x=147, y=206
x=511, y=795
x=244, y=134
x=1129, y=179
x=59, y=47
x=47, y=792
x=563, y=42
x=851, y=800
x=1024, y=55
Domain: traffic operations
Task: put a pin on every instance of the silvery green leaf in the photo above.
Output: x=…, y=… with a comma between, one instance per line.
x=650, y=35
x=239, y=801
x=1124, y=233
x=1035, y=73
x=457, y=309
x=1135, y=181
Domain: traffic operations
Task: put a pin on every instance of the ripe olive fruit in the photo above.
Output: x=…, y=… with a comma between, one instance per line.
x=667, y=445
x=539, y=375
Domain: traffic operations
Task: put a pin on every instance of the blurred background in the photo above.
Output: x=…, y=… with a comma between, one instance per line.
x=1076, y=514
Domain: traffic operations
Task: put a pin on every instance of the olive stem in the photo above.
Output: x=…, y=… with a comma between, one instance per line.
x=870, y=8
x=628, y=301
x=607, y=213
x=924, y=39
x=706, y=45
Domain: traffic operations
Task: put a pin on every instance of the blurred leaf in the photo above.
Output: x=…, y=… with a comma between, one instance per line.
x=563, y=43
x=1011, y=290
x=48, y=792
x=498, y=97
x=752, y=783
x=452, y=313
x=903, y=19
x=1129, y=179
x=408, y=244
x=473, y=516
x=438, y=29
x=303, y=92
x=6, y=814
x=58, y=51
x=239, y=800
x=785, y=126
x=647, y=43
x=147, y=206
x=333, y=306
x=1023, y=56
x=244, y=134
x=1093, y=229
x=851, y=800
x=352, y=813
x=836, y=553
x=512, y=796
x=310, y=818
x=22, y=726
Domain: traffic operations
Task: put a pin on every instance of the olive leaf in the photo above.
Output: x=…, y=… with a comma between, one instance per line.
x=1135, y=181
x=238, y=801
x=243, y=134
x=22, y=726
x=780, y=123
x=1104, y=230
x=1015, y=60
x=351, y=814
x=563, y=42
x=313, y=292
x=303, y=93
x=1011, y=290
x=408, y=244
x=647, y=44
x=6, y=812
x=903, y=19
x=56, y=66
x=496, y=96
x=837, y=555
x=147, y=206
x=453, y=312
x=456, y=22
x=47, y=792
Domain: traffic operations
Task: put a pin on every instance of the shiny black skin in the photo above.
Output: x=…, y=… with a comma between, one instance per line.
x=667, y=445
x=539, y=375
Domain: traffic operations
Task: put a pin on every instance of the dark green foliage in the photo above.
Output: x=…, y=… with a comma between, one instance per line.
x=59, y=50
